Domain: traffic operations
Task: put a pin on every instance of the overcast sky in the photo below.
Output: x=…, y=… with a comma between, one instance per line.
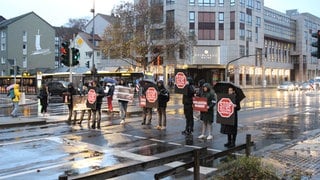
x=58, y=12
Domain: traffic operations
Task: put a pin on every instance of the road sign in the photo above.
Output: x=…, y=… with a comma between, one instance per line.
x=152, y=94
x=225, y=107
x=180, y=80
x=92, y=96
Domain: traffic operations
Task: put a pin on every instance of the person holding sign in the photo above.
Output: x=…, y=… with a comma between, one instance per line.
x=123, y=105
x=231, y=130
x=207, y=116
x=96, y=112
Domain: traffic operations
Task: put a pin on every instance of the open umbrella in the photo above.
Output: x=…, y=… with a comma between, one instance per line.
x=222, y=87
x=10, y=87
x=110, y=80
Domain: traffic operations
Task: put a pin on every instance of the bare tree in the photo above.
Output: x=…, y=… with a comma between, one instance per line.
x=77, y=23
x=140, y=33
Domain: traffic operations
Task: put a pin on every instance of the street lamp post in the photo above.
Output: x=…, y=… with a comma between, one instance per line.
x=93, y=68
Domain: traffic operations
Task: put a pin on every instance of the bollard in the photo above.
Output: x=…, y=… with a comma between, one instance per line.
x=248, y=144
x=63, y=177
x=196, y=168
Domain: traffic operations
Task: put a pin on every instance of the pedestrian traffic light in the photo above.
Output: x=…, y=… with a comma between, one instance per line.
x=75, y=56
x=64, y=51
x=316, y=45
x=88, y=64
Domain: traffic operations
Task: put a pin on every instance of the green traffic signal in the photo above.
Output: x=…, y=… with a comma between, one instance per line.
x=75, y=56
x=316, y=45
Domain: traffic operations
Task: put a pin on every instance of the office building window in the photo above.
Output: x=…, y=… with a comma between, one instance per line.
x=206, y=25
x=221, y=17
x=221, y=2
x=170, y=1
x=258, y=6
x=258, y=21
x=192, y=2
x=250, y=3
x=206, y=2
x=242, y=50
x=242, y=17
x=242, y=2
x=232, y=2
x=232, y=25
x=249, y=35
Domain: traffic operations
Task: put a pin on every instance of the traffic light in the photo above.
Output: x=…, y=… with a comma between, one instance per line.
x=18, y=70
x=75, y=56
x=64, y=51
x=158, y=61
x=316, y=45
x=88, y=64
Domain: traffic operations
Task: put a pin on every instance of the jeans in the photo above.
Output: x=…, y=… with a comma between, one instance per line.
x=15, y=109
x=123, y=109
x=162, y=121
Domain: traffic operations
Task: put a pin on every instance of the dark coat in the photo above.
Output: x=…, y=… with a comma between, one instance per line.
x=164, y=96
x=208, y=116
x=232, y=129
x=187, y=97
x=43, y=96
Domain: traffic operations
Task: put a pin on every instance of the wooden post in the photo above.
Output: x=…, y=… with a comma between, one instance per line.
x=248, y=144
x=196, y=167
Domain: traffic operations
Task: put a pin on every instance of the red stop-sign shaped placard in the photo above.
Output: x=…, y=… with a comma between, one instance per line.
x=92, y=96
x=225, y=107
x=151, y=94
x=181, y=80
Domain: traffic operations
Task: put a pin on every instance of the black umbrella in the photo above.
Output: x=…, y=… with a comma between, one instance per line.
x=222, y=87
x=146, y=83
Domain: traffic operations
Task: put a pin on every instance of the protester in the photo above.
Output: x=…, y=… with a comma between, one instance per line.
x=109, y=94
x=70, y=92
x=187, y=107
x=123, y=104
x=207, y=117
x=231, y=130
x=43, y=96
x=163, y=98
x=84, y=93
x=15, y=100
x=96, y=113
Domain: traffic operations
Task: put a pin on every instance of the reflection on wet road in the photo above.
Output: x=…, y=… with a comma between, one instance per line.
x=47, y=151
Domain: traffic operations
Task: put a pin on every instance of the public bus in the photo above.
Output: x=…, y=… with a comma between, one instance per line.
x=29, y=84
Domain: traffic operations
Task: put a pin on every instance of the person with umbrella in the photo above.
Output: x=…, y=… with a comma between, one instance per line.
x=15, y=100
x=231, y=130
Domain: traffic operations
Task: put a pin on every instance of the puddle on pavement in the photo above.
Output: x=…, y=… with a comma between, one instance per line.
x=289, y=127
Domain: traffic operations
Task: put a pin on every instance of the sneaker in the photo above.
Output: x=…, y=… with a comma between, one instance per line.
x=157, y=127
x=122, y=121
x=209, y=137
x=163, y=128
x=201, y=136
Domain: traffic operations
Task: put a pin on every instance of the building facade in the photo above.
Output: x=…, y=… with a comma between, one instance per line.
x=27, y=40
x=260, y=46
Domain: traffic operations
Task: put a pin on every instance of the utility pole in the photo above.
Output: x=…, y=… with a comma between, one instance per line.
x=226, y=74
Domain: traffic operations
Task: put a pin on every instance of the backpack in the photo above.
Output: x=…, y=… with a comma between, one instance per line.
x=11, y=93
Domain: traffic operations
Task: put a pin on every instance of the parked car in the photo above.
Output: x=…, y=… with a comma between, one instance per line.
x=287, y=86
x=57, y=87
x=306, y=86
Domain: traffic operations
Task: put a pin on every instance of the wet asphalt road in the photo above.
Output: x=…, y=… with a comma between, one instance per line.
x=47, y=151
